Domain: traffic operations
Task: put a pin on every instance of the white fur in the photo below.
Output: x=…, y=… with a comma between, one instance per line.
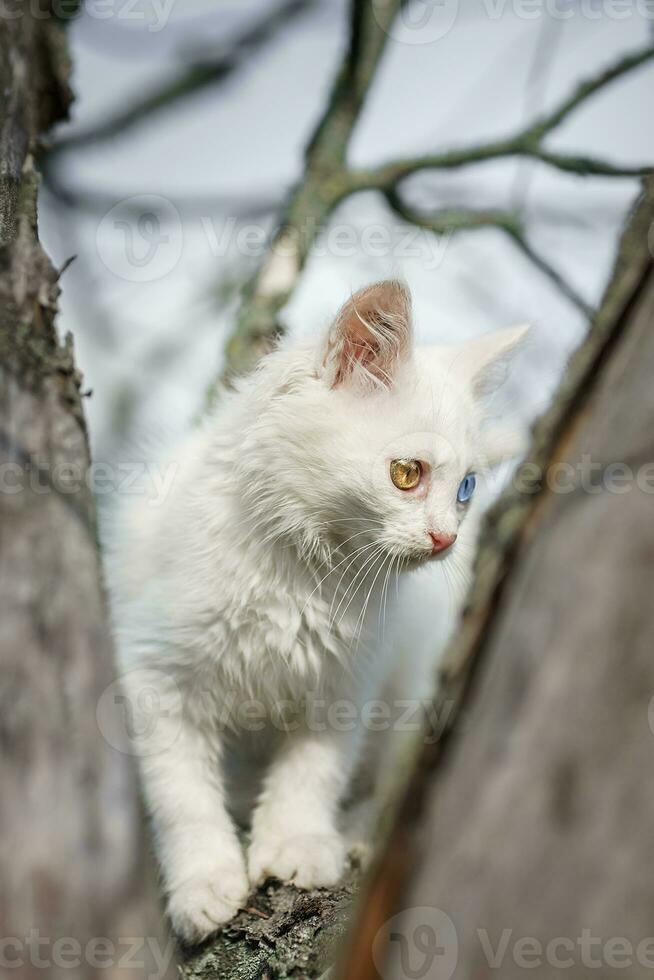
x=248, y=585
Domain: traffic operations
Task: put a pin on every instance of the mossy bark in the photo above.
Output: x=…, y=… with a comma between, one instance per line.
x=532, y=810
x=74, y=866
x=284, y=933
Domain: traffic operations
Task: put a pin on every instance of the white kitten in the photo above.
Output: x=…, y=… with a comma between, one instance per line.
x=247, y=603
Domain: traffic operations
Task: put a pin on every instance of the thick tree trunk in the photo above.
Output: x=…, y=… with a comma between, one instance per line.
x=525, y=838
x=525, y=831
x=533, y=817
x=72, y=855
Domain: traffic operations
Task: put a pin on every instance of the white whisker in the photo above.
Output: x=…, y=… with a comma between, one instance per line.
x=370, y=560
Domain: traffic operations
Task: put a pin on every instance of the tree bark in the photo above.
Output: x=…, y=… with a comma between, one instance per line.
x=282, y=933
x=73, y=862
x=507, y=813
x=524, y=838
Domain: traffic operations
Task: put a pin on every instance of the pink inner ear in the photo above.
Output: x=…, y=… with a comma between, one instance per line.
x=357, y=346
x=372, y=332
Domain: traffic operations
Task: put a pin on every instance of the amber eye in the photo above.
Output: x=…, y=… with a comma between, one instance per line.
x=406, y=473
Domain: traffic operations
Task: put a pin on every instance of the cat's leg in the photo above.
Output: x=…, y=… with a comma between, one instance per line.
x=295, y=834
x=201, y=858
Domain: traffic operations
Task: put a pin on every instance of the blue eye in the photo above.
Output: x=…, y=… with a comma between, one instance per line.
x=466, y=488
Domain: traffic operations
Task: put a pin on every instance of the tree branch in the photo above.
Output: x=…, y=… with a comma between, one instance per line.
x=584, y=166
x=282, y=933
x=324, y=184
x=98, y=202
x=327, y=181
x=587, y=88
x=195, y=79
x=79, y=859
x=526, y=143
x=518, y=237
x=449, y=220
x=498, y=682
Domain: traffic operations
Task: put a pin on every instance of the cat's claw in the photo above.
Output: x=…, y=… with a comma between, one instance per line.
x=200, y=906
x=306, y=860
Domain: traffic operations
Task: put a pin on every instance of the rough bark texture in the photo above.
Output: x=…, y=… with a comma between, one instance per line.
x=558, y=716
x=252, y=950
x=283, y=933
x=72, y=853
x=531, y=819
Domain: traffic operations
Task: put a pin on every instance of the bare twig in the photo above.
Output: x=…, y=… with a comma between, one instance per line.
x=194, y=79
x=327, y=181
x=98, y=202
x=584, y=166
x=324, y=184
x=587, y=88
x=526, y=143
x=518, y=237
x=449, y=220
x=445, y=221
x=517, y=529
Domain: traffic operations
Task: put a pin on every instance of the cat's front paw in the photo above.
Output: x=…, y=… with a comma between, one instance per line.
x=204, y=903
x=306, y=860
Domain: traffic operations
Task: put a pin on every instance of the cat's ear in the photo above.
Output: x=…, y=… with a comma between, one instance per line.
x=485, y=360
x=370, y=336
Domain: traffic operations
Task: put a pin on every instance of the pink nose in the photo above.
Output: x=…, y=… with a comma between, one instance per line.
x=441, y=542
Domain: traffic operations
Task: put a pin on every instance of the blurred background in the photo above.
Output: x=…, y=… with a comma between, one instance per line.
x=188, y=135
x=169, y=216
x=159, y=201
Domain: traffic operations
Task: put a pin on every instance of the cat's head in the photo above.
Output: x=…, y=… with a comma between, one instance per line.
x=372, y=442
